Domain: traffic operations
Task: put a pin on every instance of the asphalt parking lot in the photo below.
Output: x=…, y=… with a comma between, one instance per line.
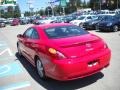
x=18, y=74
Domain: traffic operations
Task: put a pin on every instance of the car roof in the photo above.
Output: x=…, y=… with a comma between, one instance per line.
x=51, y=25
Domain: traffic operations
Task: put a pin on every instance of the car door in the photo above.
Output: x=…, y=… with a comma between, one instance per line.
x=26, y=43
x=33, y=46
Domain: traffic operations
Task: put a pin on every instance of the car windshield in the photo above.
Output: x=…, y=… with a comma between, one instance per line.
x=64, y=31
x=81, y=18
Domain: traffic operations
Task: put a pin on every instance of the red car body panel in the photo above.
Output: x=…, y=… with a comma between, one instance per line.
x=15, y=22
x=85, y=55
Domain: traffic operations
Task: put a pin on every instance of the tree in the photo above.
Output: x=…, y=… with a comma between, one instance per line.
x=48, y=11
x=17, y=12
x=10, y=12
x=27, y=13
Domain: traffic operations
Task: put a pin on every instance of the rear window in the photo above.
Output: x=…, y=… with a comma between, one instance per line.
x=64, y=31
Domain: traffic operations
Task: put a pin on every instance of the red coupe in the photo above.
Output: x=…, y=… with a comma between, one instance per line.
x=63, y=51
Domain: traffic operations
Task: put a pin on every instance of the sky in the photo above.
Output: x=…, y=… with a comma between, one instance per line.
x=37, y=4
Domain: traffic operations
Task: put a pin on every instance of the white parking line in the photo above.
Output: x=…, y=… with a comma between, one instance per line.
x=16, y=86
x=6, y=69
x=7, y=50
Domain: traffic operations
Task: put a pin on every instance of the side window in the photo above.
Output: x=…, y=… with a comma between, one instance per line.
x=28, y=33
x=35, y=34
x=89, y=18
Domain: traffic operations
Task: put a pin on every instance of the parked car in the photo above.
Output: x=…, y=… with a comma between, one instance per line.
x=92, y=24
x=4, y=20
x=2, y=23
x=10, y=20
x=15, y=22
x=23, y=21
x=63, y=51
x=37, y=21
x=68, y=18
x=110, y=23
x=82, y=19
x=43, y=21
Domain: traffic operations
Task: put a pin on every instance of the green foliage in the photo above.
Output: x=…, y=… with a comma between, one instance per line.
x=110, y=4
x=27, y=13
x=17, y=12
x=12, y=12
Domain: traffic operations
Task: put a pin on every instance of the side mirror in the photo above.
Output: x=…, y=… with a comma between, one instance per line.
x=20, y=36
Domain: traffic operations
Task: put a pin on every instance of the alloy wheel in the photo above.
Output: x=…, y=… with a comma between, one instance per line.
x=40, y=69
x=19, y=51
x=115, y=28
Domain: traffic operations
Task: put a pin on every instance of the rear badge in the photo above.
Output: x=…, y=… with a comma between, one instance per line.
x=89, y=47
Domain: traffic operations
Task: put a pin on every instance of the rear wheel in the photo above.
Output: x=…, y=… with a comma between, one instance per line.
x=115, y=28
x=96, y=27
x=19, y=51
x=40, y=69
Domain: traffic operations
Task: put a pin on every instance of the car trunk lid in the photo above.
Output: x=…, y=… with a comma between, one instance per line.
x=79, y=46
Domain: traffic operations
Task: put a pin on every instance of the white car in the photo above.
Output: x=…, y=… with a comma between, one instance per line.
x=43, y=21
x=82, y=19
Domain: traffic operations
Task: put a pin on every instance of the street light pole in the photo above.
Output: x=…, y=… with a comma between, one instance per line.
x=52, y=7
x=48, y=12
x=63, y=11
x=0, y=10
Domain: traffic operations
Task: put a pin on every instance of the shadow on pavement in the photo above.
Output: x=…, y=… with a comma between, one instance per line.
x=103, y=31
x=51, y=84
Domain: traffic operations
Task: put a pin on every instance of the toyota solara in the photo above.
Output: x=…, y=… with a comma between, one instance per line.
x=63, y=51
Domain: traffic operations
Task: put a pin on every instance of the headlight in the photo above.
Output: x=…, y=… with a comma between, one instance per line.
x=93, y=23
x=109, y=24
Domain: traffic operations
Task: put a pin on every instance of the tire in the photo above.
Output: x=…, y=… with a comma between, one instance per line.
x=19, y=51
x=40, y=69
x=115, y=28
x=96, y=27
x=80, y=25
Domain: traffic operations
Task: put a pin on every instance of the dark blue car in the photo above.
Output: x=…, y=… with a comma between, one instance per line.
x=92, y=24
x=109, y=23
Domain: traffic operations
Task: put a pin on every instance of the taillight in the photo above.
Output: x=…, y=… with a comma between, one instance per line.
x=56, y=54
x=105, y=46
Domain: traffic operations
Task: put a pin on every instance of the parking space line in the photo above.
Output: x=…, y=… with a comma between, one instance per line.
x=4, y=69
x=15, y=86
x=3, y=43
x=6, y=58
x=10, y=69
x=6, y=50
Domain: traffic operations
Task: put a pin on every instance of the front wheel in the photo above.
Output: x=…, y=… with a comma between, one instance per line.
x=40, y=69
x=19, y=51
x=115, y=28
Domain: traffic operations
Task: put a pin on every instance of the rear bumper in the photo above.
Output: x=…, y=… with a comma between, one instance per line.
x=78, y=68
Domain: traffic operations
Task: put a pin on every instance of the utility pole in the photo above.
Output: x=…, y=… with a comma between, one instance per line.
x=100, y=4
x=63, y=11
x=52, y=6
x=0, y=11
x=30, y=3
x=117, y=4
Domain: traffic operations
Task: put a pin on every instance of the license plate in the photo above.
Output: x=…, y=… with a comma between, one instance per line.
x=93, y=63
